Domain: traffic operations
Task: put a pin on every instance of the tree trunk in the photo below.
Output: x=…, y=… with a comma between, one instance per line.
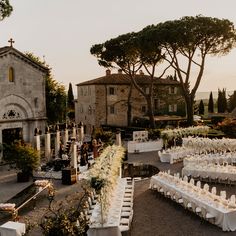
x=129, y=106
x=189, y=107
x=150, y=112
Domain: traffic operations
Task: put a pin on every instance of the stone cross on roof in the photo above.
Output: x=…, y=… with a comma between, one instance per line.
x=11, y=41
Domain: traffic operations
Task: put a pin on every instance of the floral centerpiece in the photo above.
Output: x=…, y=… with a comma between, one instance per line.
x=41, y=183
x=184, y=132
x=7, y=206
x=103, y=175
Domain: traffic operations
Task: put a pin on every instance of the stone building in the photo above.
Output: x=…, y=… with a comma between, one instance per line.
x=22, y=96
x=103, y=101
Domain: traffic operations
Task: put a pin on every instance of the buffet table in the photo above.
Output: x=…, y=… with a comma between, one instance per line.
x=223, y=211
x=135, y=146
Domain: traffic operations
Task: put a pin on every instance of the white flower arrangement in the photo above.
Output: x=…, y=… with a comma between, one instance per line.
x=168, y=134
x=7, y=206
x=104, y=174
x=41, y=183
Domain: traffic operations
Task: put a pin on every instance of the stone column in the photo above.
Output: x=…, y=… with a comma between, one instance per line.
x=66, y=137
x=57, y=142
x=73, y=131
x=47, y=144
x=81, y=131
x=74, y=157
x=37, y=139
x=118, y=138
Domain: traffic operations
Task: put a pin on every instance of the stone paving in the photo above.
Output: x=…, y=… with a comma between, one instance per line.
x=153, y=216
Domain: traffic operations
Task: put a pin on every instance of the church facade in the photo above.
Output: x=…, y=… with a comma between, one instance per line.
x=22, y=96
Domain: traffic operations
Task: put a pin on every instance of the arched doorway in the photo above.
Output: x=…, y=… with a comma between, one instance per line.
x=9, y=136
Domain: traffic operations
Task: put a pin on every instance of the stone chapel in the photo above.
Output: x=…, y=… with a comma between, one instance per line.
x=22, y=96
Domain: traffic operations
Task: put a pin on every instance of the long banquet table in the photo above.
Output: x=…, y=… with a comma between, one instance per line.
x=225, y=217
x=212, y=171
x=112, y=221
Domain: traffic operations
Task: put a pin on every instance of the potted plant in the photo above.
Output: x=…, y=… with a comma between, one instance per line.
x=24, y=158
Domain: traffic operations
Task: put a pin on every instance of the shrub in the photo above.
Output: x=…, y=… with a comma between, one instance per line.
x=228, y=126
x=25, y=157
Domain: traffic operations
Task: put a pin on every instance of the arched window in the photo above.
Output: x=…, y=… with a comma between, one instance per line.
x=11, y=76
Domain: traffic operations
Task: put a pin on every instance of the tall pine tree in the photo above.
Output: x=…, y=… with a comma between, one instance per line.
x=211, y=104
x=201, y=109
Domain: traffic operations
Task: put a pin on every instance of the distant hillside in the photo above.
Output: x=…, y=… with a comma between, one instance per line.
x=205, y=95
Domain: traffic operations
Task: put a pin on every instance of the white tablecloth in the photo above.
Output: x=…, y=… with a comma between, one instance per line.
x=211, y=171
x=112, y=221
x=134, y=146
x=224, y=217
x=12, y=228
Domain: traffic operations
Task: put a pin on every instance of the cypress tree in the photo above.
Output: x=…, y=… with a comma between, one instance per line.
x=211, y=104
x=232, y=101
x=70, y=97
x=224, y=101
x=219, y=101
x=201, y=108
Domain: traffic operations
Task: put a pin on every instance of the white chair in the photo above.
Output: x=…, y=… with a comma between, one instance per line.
x=187, y=204
x=179, y=199
x=232, y=198
x=207, y=216
x=206, y=187
x=198, y=184
x=223, y=194
x=195, y=208
x=213, y=190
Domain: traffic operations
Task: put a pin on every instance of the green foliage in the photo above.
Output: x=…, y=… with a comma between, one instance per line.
x=222, y=101
x=232, y=102
x=154, y=134
x=97, y=183
x=105, y=136
x=25, y=157
x=5, y=9
x=188, y=39
x=55, y=94
x=211, y=104
x=191, y=39
x=216, y=119
x=214, y=133
x=201, y=108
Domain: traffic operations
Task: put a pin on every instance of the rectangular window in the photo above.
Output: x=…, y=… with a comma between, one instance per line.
x=111, y=91
x=172, y=90
x=143, y=109
x=112, y=109
x=173, y=108
x=156, y=104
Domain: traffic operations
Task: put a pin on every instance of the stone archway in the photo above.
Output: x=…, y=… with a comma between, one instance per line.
x=14, y=108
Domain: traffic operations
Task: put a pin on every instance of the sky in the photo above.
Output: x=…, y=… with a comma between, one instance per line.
x=63, y=31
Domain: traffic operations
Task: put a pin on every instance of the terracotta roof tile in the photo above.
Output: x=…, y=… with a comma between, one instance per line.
x=124, y=79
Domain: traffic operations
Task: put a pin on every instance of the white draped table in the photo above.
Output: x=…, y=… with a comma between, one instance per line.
x=210, y=170
x=134, y=146
x=174, y=154
x=112, y=221
x=225, y=217
x=12, y=228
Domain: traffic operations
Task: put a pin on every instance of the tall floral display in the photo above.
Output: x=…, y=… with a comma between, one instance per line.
x=104, y=175
x=184, y=132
